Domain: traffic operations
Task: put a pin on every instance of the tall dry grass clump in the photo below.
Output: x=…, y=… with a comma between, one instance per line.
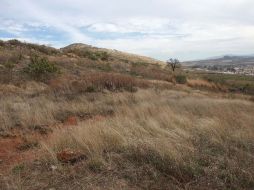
x=97, y=82
x=203, y=84
x=171, y=139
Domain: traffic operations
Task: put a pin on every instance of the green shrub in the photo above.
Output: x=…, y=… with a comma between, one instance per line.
x=42, y=48
x=18, y=168
x=39, y=68
x=6, y=72
x=103, y=56
x=15, y=42
x=93, y=55
x=96, y=165
x=181, y=79
x=91, y=89
x=1, y=43
x=105, y=67
x=139, y=64
x=97, y=55
x=9, y=65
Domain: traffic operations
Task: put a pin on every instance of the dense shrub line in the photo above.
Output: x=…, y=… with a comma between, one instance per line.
x=96, y=82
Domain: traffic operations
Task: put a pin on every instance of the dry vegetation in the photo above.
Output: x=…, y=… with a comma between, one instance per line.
x=150, y=139
x=127, y=132
x=205, y=85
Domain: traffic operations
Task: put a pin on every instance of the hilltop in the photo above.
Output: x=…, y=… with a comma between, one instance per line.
x=121, y=56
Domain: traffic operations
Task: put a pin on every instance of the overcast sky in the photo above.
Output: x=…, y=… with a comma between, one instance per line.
x=185, y=29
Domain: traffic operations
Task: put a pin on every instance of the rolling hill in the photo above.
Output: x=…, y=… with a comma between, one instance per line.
x=82, y=117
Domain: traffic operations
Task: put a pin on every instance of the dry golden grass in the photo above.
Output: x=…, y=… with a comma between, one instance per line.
x=203, y=84
x=154, y=140
x=35, y=103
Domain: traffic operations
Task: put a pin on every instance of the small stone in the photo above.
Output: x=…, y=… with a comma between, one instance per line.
x=70, y=156
x=53, y=168
x=72, y=120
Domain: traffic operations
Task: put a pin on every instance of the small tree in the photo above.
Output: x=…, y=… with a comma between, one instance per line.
x=173, y=63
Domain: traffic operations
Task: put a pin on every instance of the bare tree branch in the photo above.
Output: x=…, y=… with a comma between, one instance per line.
x=173, y=63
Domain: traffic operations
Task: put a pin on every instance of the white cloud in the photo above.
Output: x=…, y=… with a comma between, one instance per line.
x=12, y=27
x=159, y=28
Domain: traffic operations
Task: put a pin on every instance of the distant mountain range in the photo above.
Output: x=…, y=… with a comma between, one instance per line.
x=225, y=60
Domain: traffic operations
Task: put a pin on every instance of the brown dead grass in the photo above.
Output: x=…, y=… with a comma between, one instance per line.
x=155, y=140
x=96, y=82
x=205, y=85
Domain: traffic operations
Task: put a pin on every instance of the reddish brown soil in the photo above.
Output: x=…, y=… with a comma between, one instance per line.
x=72, y=120
x=11, y=156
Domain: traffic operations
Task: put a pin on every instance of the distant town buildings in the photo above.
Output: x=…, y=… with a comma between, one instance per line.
x=229, y=69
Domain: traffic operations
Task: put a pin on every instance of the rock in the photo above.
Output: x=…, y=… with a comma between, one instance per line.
x=72, y=120
x=53, y=168
x=70, y=156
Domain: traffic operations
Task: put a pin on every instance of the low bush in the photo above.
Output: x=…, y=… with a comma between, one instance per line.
x=6, y=69
x=1, y=43
x=96, y=165
x=14, y=42
x=40, y=68
x=100, y=55
x=90, y=89
x=42, y=48
x=93, y=55
x=180, y=79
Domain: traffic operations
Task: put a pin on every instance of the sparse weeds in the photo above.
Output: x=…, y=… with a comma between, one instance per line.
x=18, y=168
x=163, y=163
x=96, y=164
x=93, y=55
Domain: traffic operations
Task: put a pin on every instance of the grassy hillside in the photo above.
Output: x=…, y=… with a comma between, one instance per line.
x=76, y=59
x=87, y=118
